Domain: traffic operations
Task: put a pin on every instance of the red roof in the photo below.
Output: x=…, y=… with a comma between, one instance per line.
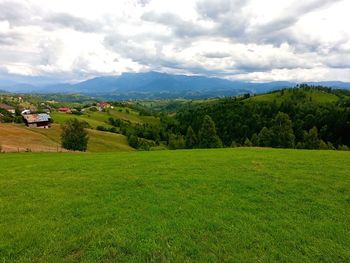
x=64, y=109
x=103, y=104
x=6, y=107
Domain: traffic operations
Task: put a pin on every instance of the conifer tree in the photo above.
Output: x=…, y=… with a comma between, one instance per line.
x=207, y=134
x=283, y=136
x=191, y=138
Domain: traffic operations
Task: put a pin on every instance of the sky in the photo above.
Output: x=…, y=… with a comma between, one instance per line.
x=252, y=40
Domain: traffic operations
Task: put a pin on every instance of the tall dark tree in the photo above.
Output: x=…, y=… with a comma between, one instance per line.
x=207, y=134
x=265, y=137
x=283, y=136
x=191, y=138
x=255, y=140
x=74, y=136
x=176, y=142
x=311, y=139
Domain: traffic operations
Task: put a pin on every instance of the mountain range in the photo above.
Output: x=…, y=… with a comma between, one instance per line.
x=156, y=85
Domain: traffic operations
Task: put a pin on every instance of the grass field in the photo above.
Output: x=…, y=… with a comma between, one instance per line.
x=17, y=137
x=101, y=118
x=233, y=205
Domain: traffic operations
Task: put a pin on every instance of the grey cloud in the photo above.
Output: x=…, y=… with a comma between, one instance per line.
x=180, y=27
x=76, y=23
x=13, y=12
x=216, y=55
x=292, y=15
x=216, y=9
x=143, y=2
x=10, y=38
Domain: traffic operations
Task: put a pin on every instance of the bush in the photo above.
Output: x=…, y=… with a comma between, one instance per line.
x=133, y=141
x=323, y=145
x=101, y=128
x=176, y=142
x=234, y=144
x=343, y=148
x=248, y=143
x=330, y=146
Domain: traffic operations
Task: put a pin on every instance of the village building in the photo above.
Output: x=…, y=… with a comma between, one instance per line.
x=65, y=110
x=40, y=120
x=103, y=105
x=25, y=111
x=8, y=108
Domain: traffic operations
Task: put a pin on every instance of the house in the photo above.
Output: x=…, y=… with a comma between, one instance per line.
x=65, y=110
x=8, y=108
x=25, y=112
x=102, y=105
x=41, y=120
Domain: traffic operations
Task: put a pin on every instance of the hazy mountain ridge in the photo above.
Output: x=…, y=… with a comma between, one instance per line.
x=157, y=85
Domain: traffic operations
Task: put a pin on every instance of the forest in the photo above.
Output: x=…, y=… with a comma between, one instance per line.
x=293, y=119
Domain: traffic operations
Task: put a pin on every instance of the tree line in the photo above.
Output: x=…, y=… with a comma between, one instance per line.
x=293, y=123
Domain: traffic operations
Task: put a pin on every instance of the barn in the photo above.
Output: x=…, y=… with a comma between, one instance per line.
x=41, y=120
x=8, y=108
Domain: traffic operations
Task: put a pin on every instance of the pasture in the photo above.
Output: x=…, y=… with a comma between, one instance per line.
x=229, y=205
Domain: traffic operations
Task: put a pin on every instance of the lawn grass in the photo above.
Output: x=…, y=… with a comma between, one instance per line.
x=233, y=205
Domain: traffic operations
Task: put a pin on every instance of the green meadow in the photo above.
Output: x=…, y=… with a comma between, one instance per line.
x=316, y=96
x=227, y=205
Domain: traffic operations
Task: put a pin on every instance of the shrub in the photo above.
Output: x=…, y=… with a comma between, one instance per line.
x=323, y=145
x=343, y=148
x=101, y=128
x=248, y=143
x=133, y=141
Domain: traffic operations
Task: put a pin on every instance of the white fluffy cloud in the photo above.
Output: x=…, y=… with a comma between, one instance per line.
x=250, y=40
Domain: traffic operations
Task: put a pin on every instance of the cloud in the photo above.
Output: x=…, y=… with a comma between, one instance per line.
x=76, y=23
x=238, y=39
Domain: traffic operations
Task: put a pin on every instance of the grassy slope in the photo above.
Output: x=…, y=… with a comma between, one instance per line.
x=101, y=118
x=315, y=95
x=241, y=205
x=13, y=137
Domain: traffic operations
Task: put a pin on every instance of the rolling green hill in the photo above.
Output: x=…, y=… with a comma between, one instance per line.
x=316, y=96
x=228, y=205
x=15, y=137
x=101, y=118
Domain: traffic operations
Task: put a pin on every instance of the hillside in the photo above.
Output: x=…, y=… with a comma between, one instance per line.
x=15, y=137
x=316, y=96
x=101, y=118
x=230, y=205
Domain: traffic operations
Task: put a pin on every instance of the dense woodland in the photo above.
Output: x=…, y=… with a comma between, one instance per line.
x=294, y=122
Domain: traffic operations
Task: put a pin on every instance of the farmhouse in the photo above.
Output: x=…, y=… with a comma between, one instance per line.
x=8, y=108
x=103, y=105
x=65, y=110
x=41, y=120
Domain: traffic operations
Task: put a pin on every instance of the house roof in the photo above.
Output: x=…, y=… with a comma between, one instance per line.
x=64, y=109
x=6, y=107
x=103, y=104
x=33, y=118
